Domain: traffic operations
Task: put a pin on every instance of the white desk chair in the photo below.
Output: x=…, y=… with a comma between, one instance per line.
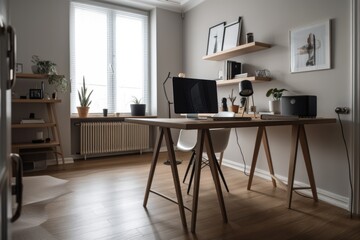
x=220, y=140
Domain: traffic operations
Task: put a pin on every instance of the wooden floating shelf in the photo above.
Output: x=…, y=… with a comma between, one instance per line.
x=31, y=75
x=18, y=100
x=238, y=80
x=33, y=125
x=35, y=145
x=237, y=51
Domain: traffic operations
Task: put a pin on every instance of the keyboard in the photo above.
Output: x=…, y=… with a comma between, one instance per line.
x=230, y=118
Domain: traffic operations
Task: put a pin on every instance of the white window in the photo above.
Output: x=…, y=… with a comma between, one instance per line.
x=109, y=47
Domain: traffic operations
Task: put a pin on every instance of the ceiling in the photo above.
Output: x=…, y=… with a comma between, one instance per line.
x=173, y=5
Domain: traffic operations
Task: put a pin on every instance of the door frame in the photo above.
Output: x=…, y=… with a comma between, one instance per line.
x=355, y=76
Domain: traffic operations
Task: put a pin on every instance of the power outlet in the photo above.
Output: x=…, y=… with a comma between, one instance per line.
x=342, y=110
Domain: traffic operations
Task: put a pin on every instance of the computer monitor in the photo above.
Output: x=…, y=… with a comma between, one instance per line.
x=193, y=96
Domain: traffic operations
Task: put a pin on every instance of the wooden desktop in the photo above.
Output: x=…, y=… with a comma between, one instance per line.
x=165, y=124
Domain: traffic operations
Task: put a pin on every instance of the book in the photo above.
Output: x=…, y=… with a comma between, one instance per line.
x=35, y=120
x=233, y=68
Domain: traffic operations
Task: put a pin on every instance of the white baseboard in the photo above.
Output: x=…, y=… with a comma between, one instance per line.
x=323, y=195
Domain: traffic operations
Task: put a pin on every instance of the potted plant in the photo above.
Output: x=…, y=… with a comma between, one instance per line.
x=274, y=105
x=137, y=108
x=84, y=99
x=234, y=108
x=49, y=68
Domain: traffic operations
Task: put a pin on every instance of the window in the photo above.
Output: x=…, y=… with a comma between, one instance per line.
x=109, y=47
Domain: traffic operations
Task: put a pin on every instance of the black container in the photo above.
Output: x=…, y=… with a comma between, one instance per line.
x=137, y=109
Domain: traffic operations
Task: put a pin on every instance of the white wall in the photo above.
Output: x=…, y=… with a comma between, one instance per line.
x=270, y=21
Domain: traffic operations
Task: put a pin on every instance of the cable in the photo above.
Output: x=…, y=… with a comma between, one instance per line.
x=237, y=142
x=349, y=167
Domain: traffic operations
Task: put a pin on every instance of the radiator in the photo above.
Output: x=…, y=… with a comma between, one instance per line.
x=110, y=137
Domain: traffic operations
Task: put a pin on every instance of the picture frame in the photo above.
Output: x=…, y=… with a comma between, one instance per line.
x=232, y=33
x=19, y=68
x=310, y=48
x=35, y=94
x=215, y=38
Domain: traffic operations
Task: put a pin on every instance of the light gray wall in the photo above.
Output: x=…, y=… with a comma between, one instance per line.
x=270, y=21
x=42, y=28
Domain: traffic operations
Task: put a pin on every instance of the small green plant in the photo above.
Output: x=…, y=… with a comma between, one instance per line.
x=43, y=66
x=275, y=93
x=48, y=67
x=232, y=98
x=136, y=100
x=84, y=98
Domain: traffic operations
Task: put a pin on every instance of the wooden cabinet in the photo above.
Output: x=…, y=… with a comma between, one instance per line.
x=54, y=144
x=238, y=51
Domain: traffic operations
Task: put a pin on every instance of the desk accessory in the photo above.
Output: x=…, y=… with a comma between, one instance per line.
x=246, y=90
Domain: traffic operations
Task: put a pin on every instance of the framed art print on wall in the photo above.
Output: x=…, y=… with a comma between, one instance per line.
x=215, y=39
x=310, y=48
x=232, y=35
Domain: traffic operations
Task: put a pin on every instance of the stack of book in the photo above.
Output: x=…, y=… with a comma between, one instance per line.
x=233, y=68
x=33, y=120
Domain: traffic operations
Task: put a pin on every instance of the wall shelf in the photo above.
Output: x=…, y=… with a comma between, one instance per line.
x=33, y=125
x=238, y=80
x=237, y=51
x=31, y=75
x=18, y=100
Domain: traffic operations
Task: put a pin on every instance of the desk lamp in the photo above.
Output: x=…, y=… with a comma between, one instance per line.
x=246, y=90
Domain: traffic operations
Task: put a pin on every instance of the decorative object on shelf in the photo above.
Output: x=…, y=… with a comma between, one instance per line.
x=84, y=99
x=274, y=105
x=246, y=90
x=215, y=39
x=224, y=106
x=137, y=108
x=49, y=68
x=249, y=37
x=234, y=108
x=262, y=73
x=19, y=68
x=310, y=47
x=232, y=34
x=35, y=94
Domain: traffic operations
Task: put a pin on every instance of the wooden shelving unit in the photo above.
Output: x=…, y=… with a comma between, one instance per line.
x=237, y=51
x=31, y=76
x=55, y=143
x=238, y=80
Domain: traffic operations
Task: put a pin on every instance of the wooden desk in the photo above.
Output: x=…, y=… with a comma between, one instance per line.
x=203, y=126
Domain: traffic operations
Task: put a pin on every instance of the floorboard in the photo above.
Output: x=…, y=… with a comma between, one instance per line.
x=106, y=198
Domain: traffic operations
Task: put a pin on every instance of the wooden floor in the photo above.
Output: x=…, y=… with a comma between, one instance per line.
x=107, y=194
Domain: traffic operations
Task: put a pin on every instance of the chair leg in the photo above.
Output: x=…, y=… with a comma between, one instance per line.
x=191, y=178
x=189, y=165
x=222, y=176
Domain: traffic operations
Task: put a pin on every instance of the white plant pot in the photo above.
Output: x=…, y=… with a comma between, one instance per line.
x=274, y=106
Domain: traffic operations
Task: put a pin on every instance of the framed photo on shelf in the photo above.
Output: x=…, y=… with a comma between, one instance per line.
x=310, y=48
x=215, y=39
x=232, y=34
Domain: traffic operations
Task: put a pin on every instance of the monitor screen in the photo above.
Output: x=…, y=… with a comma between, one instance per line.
x=194, y=95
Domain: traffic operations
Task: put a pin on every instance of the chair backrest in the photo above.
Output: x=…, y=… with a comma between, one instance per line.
x=187, y=140
x=220, y=138
x=225, y=114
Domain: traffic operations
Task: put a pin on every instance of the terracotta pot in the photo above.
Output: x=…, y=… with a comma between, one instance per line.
x=83, y=111
x=234, y=108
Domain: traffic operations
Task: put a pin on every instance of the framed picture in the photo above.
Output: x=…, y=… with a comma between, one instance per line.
x=19, y=68
x=232, y=34
x=35, y=94
x=310, y=48
x=215, y=38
